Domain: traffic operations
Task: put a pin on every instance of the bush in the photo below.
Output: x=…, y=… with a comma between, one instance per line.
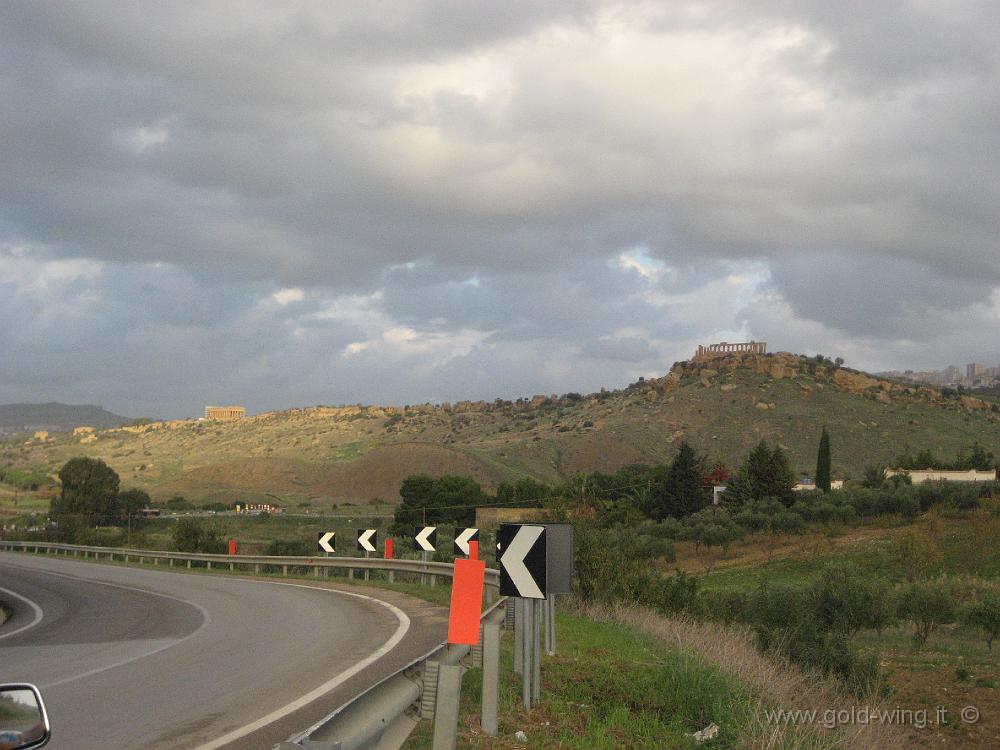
x=927, y=605
x=191, y=536
x=845, y=600
x=985, y=616
x=288, y=548
x=829, y=652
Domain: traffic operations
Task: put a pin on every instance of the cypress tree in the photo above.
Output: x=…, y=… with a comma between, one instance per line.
x=823, y=462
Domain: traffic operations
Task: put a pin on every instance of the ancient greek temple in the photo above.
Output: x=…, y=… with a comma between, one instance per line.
x=715, y=350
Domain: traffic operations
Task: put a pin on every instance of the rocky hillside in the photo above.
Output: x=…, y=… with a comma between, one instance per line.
x=327, y=455
x=54, y=417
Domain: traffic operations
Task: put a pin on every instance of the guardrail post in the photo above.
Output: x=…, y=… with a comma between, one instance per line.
x=446, y=710
x=256, y=569
x=350, y=574
x=208, y=565
x=428, y=695
x=491, y=678
x=189, y=563
x=284, y=570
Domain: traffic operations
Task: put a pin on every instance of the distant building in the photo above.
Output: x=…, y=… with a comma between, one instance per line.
x=257, y=508
x=489, y=518
x=918, y=476
x=808, y=483
x=84, y=430
x=725, y=348
x=225, y=413
x=975, y=370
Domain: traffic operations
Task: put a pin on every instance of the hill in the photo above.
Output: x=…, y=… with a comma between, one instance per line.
x=355, y=454
x=54, y=417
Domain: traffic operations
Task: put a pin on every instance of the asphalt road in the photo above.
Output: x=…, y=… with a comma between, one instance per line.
x=140, y=658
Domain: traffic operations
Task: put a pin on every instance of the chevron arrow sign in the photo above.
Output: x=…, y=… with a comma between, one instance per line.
x=425, y=540
x=522, y=560
x=327, y=541
x=368, y=540
x=462, y=539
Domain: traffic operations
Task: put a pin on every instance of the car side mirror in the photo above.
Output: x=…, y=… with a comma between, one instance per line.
x=23, y=721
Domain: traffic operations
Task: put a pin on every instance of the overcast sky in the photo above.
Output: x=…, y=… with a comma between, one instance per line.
x=297, y=203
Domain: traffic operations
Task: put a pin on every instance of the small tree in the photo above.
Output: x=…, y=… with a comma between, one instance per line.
x=874, y=476
x=927, y=605
x=823, y=462
x=985, y=616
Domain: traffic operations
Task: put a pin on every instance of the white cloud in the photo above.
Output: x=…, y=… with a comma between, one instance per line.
x=285, y=297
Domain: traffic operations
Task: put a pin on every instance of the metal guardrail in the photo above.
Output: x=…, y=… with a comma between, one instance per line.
x=285, y=562
x=368, y=719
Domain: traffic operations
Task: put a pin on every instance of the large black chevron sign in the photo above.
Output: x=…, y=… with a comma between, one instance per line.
x=522, y=560
x=425, y=540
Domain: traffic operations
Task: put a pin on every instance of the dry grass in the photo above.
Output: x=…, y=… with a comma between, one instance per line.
x=775, y=683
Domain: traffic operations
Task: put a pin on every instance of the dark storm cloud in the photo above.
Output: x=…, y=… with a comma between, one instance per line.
x=490, y=197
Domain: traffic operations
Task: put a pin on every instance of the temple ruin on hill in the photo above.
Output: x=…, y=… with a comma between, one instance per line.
x=724, y=349
x=225, y=413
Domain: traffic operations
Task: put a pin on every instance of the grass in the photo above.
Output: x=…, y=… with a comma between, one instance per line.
x=607, y=688
x=628, y=678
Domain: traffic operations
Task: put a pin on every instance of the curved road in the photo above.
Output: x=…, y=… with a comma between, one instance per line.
x=133, y=657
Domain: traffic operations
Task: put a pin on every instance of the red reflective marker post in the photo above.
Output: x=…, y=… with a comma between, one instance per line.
x=232, y=546
x=388, y=549
x=466, y=602
x=473, y=550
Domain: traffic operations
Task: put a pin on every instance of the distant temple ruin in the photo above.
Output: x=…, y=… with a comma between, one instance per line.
x=225, y=413
x=725, y=348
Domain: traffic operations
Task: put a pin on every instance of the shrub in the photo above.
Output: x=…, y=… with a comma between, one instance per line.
x=287, y=548
x=846, y=600
x=985, y=616
x=829, y=652
x=191, y=536
x=927, y=605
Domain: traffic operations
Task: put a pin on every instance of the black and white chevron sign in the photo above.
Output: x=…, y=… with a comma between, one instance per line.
x=522, y=560
x=368, y=540
x=425, y=540
x=462, y=539
x=327, y=541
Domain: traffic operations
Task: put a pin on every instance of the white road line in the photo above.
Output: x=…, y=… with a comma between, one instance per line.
x=38, y=613
x=326, y=687
x=206, y=619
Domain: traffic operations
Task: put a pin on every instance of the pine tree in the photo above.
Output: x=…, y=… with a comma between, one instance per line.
x=823, y=462
x=683, y=487
x=780, y=477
